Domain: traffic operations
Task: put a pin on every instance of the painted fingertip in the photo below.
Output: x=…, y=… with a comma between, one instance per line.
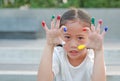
x=106, y=28
x=65, y=29
x=58, y=17
x=43, y=23
x=80, y=47
x=53, y=17
x=100, y=21
x=84, y=29
x=93, y=20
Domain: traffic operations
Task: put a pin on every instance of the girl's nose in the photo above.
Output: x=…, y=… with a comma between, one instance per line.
x=73, y=44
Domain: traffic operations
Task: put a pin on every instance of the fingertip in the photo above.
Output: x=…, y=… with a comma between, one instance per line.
x=105, y=31
x=63, y=28
x=100, y=21
x=52, y=17
x=58, y=17
x=43, y=23
x=84, y=29
x=106, y=28
x=93, y=20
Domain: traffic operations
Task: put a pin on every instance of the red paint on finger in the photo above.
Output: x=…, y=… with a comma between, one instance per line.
x=43, y=23
x=84, y=29
x=58, y=17
x=100, y=21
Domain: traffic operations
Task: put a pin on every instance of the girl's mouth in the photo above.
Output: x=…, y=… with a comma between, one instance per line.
x=73, y=52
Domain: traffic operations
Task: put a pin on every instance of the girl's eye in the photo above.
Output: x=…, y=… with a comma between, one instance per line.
x=80, y=38
x=67, y=37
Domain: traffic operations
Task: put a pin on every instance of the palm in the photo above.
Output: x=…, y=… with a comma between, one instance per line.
x=53, y=34
x=95, y=38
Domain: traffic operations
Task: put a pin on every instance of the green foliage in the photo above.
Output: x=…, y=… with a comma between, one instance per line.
x=60, y=4
x=43, y=4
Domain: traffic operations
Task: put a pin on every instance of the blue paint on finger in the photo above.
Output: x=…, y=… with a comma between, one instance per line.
x=106, y=28
x=65, y=29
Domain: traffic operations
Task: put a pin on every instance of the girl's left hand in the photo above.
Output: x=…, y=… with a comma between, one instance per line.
x=96, y=38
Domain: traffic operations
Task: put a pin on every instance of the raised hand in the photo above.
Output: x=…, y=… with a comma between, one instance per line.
x=95, y=37
x=53, y=35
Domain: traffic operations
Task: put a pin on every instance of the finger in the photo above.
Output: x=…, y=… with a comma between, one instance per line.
x=103, y=34
x=86, y=29
x=58, y=21
x=44, y=26
x=92, y=28
x=98, y=28
x=53, y=17
x=105, y=30
x=100, y=22
x=93, y=21
x=63, y=29
x=52, y=21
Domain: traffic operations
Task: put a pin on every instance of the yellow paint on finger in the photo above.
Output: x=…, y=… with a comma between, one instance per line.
x=80, y=47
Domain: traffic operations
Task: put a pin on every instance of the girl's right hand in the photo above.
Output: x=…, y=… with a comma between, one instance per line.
x=53, y=35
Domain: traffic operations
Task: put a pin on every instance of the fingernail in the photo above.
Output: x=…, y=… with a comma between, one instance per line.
x=58, y=17
x=65, y=29
x=106, y=28
x=43, y=23
x=80, y=47
x=84, y=29
x=93, y=21
x=53, y=16
x=100, y=21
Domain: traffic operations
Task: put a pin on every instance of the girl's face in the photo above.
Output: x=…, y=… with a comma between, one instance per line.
x=74, y=37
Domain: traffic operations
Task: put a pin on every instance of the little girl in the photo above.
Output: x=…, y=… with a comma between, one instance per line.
x=68, y=63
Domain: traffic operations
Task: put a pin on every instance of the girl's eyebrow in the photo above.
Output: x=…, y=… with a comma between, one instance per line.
x=80, y=35
x=66, y=34
x=76, y=35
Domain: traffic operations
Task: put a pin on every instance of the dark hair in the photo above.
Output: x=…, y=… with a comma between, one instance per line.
x=74, y=14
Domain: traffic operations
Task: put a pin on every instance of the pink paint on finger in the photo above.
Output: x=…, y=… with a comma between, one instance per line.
x=100, y=21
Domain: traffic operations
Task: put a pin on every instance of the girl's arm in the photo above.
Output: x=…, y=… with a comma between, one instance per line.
x=96, y=43
x=52, y=39
x=45, y=69
x=99, y=73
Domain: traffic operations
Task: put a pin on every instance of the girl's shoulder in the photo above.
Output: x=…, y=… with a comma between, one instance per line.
x=91, y=54
x=58, y=52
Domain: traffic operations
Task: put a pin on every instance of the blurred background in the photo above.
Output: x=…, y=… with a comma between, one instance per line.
x=22, y=38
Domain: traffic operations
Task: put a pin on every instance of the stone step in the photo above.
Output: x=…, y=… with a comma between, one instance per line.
x=19, y=60
x=32, y=76
x=4, y=68
x=33, y=55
